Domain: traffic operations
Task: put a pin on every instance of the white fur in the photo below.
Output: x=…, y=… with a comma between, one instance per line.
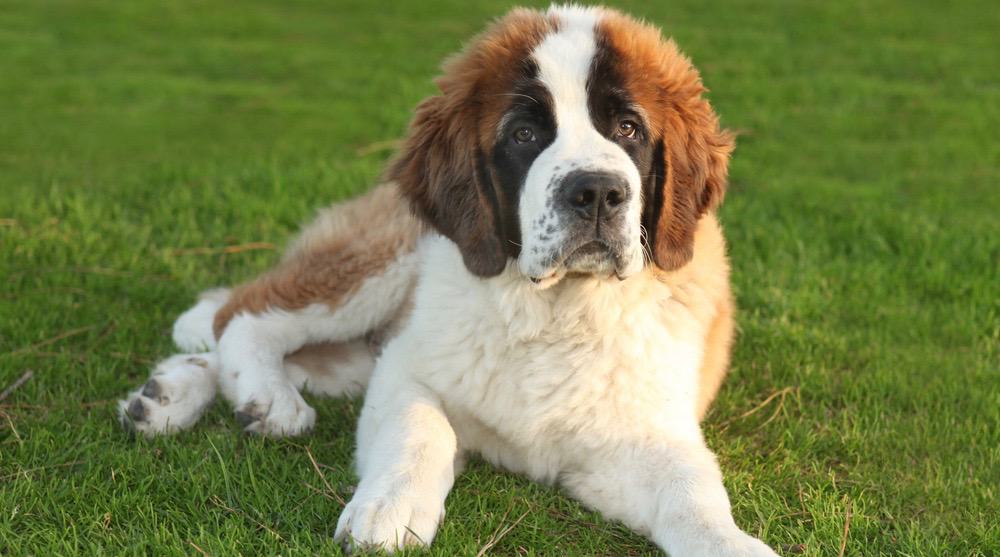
x=248, y=366
x=584, y=383
x=193, y=329
x=188, y=381
x=253, y=347
x=186, y=387
x=564, y=59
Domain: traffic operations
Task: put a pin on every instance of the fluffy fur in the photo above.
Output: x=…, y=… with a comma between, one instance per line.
x=541, y=281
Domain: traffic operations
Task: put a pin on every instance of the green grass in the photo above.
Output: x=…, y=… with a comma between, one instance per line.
x=864, y=229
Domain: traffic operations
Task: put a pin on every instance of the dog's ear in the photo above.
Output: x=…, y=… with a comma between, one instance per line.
x=441, y=170
x=689, y=179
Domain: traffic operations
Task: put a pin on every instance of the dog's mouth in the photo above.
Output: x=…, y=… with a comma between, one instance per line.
x=590, y=258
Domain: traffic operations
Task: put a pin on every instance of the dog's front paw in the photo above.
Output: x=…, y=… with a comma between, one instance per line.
x=704, y=540
x=740, y=544
x=177, y=393
x=277, y=411
x=388, y=522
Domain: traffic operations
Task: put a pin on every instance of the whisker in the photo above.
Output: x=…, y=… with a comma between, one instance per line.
x=644, y=244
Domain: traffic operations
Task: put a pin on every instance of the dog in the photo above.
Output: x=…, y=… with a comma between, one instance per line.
x=540, y=280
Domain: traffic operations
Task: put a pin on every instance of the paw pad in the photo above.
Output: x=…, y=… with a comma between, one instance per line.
x=136, y=410
x=248, y=414
x=152, y=390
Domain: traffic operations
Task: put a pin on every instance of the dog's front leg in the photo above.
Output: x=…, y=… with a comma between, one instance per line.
x=670, y=490
x=406, y=463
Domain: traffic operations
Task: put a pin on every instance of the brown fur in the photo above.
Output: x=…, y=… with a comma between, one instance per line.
x=695, y=149
x=715, y=363
x=685, y=235
x=439, y=166
x=348, y=243
x=319, y=359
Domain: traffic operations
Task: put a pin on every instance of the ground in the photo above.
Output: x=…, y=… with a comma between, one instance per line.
x=149, y=150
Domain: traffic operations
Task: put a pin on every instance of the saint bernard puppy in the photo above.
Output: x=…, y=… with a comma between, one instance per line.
x=540, y=281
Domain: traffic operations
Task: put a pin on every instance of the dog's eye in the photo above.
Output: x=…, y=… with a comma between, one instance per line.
x=524, y=135
x=627, y=128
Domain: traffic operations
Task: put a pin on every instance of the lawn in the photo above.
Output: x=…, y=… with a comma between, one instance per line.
x=139, y=139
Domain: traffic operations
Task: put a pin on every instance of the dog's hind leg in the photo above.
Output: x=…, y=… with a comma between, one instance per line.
x=177, y=393
x=181, y=387
x=193, y=329
x=347, y=277
x=314, y=322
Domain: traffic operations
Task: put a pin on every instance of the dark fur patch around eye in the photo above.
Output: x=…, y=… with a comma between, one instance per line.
x=609, y=101
x=685, y=173
x=530, y=105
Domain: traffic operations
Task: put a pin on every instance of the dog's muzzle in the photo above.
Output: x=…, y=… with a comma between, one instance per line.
x=593, y=204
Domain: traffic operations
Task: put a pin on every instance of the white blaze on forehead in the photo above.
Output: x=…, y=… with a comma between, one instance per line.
x=564, y=59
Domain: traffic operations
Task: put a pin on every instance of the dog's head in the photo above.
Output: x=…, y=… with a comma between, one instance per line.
x=576, y=141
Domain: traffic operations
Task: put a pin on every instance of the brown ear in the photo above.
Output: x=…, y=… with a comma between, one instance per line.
x=691, y=179
x=441, y=170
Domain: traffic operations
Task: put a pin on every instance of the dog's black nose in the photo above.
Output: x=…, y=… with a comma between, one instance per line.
x=595, y=195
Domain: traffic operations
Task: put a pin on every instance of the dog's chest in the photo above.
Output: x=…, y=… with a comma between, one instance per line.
x=520, y=370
